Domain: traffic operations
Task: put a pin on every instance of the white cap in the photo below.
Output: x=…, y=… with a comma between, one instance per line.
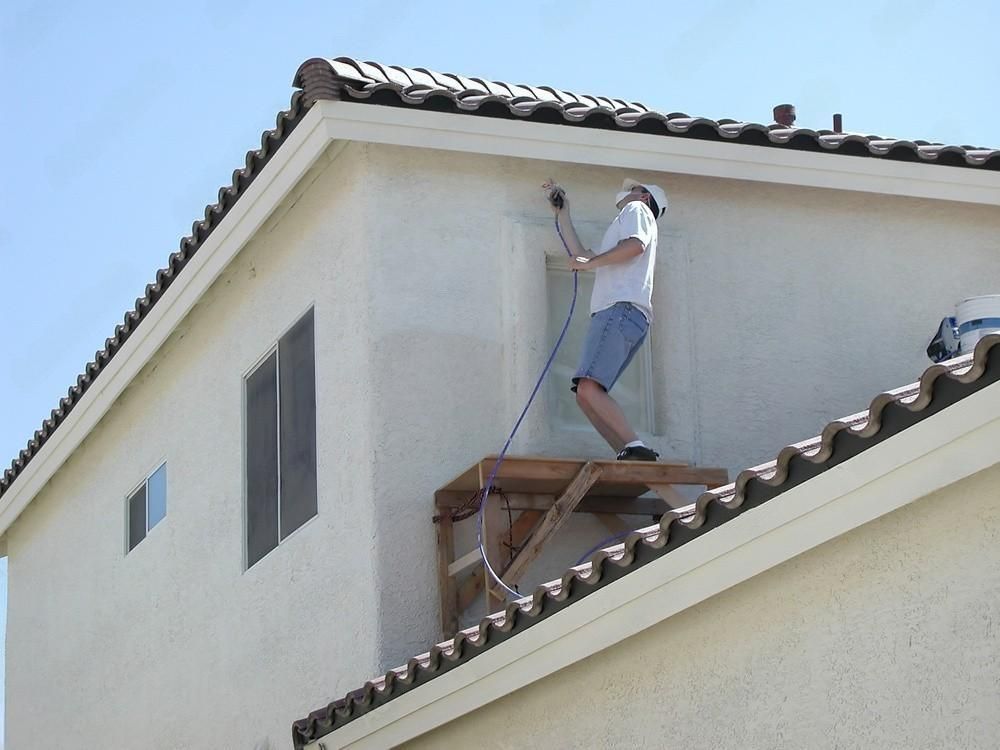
x=655, y=190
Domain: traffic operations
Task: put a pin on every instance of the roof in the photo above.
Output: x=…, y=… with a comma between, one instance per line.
x=889, y=414
x=390, y=85
x=374, y=83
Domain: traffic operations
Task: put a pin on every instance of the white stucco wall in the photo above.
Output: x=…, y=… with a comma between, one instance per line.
x=778, y=309
x=174, y=645
x=886, y=637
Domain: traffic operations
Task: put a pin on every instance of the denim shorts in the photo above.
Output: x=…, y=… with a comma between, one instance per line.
x=614, y=336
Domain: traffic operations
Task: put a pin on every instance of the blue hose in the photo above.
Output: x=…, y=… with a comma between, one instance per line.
x=496, y=467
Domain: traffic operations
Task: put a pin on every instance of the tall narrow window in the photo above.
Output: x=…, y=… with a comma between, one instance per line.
x=632, y=391
x=281, y=441
x=146, y=506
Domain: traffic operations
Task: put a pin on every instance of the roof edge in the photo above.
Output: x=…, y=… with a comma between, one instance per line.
x=318, y=79
x=420, y=88
x=43, y=455
x=949, y=402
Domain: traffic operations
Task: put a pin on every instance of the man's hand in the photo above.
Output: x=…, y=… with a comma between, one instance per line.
x=579, y=264
x=552, y=191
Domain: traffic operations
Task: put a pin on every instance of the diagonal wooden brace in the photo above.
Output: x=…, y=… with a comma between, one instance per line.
x=553, y=519
x=472, y=586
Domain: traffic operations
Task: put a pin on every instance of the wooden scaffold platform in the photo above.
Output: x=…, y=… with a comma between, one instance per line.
x=543, y=492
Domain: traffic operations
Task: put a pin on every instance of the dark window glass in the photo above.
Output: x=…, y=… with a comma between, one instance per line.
x=297, y=414
x=262, y=459
x=281, y=441
x=137, y=517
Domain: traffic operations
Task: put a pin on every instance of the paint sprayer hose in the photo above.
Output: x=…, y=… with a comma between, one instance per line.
x=496, y=467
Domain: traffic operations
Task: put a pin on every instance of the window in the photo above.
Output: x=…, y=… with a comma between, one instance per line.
x=633, y=389
x=146, y=506
x=280, y=440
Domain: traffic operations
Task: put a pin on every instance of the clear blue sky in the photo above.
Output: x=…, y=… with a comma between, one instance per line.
x=123, y=119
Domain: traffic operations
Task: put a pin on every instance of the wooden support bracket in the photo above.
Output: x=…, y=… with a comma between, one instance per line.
x=446, y=583
x=541, y=493
x=472, y=586
x=553, y=519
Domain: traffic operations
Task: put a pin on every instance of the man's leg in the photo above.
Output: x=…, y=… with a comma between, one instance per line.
x=604, y=413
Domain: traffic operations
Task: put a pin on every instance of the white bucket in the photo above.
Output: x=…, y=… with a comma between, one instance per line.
x=975, y=318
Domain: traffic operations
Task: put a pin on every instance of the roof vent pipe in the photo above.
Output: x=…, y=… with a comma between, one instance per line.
x=784, y=114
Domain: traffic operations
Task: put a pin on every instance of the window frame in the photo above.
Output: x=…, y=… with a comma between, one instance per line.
x=643, y=358
x=273, y=350
x=160, y=464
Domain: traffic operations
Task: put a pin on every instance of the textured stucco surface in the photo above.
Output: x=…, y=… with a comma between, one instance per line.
x=174, y=643
x=887, y=637
x=778, y=309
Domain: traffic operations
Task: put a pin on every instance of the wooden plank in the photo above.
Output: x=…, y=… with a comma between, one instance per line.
x=625, y=506
x=553, y=519
x=526, y=467
x=494, y=531
x=465, y=561
x=650, y=471
x=447, y=590
x=552, y=476
x=472, y=586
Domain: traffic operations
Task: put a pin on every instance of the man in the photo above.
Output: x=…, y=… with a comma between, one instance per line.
x=620, y=306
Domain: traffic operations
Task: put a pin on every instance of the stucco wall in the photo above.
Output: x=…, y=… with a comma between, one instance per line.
x=886, y=637
x=174, y=645
x=778, y=309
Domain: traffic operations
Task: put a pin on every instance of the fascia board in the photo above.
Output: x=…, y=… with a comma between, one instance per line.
x=561, y=143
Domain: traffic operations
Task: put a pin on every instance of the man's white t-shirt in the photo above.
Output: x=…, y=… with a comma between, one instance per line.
x=631, y=281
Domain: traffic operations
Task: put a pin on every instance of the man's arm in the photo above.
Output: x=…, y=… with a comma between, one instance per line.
x=564, y=220
x=576, y=247
x=637, y=226
x=625, y=250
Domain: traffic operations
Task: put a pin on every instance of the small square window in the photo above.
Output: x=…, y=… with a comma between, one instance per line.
x=146, y=506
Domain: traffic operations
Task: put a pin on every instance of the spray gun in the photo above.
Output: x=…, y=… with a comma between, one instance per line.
x=555, y=194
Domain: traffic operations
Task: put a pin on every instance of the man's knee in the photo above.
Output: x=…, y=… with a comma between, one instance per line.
x=586, y=391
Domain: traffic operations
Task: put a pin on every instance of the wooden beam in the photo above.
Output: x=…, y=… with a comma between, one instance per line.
x=553, y=519
x=621, y=506
x=494, y=530
x=652, y=471
x=472, y=586
x=447, y=590
x=536, y=467
x=465, y=561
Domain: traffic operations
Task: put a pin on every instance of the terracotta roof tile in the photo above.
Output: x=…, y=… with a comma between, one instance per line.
x=889, y=414
x=419, y=87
